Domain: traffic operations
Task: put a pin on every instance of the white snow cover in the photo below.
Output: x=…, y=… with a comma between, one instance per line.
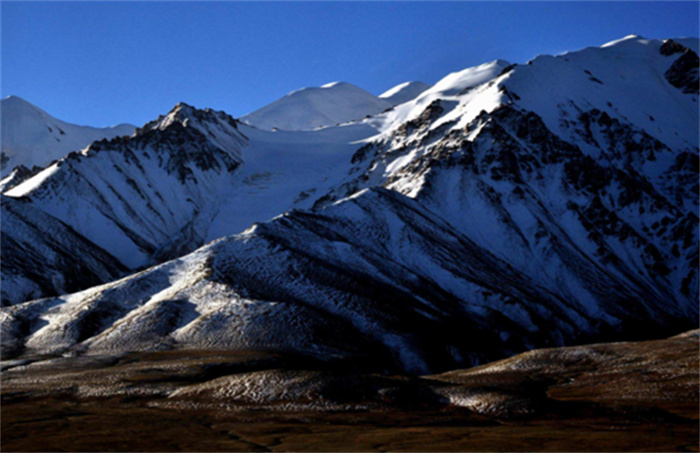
x=42, y=256
x=134, y=197
x=30, y=136
x=404, y=92
x=630, y=86
x=311, y=108
x=465, y=89
x=285, y=170
x=461, y=213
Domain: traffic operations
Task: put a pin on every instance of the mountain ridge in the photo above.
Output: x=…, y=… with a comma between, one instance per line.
x=404, y=92
x=506, y=207
x=311, y=108
x=31, y=137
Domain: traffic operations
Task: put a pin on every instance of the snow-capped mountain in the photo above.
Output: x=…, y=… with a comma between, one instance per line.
x=31, y=137
x=178, y=183
x=506, y=207
x=632, y=177
x=146, y=197
x=404, y=92
x=311, y=108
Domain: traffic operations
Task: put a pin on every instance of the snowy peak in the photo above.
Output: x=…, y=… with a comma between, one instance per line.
x=564, y=88
x=460, y=96
x=217, y=127
x=187, y=115
x=336, y=85
x=32, y=137
x=404, y=92
x=182, y=114
x=611, y=79
x=631, y=37
x=311, y=108
x=461, y=81
x=145, y=197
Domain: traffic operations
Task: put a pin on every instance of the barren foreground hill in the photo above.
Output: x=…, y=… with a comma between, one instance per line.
x=640, y=396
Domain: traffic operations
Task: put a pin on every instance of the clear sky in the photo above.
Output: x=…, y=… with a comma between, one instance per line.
x=102, y=63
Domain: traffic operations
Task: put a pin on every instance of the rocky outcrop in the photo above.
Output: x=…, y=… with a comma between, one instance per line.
x=683, y=73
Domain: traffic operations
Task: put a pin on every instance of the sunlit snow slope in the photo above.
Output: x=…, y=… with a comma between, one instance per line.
x=146, y=197
x=30, y=136
x=311, y=108
x=404, y=92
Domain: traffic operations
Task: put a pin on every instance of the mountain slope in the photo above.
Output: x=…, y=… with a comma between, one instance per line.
x=362, y=278
x=169, y=188
x=404, y=92
x=501, y=210
x=285, y=170
x=32, y=137
x=311, y=108
x=147, y=197
x=43, y=257
x=523, y=188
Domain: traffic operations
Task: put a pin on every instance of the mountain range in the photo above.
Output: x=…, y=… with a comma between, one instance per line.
x=506, y=207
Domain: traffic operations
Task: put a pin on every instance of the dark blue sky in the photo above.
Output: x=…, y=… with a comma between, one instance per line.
x=102, y=63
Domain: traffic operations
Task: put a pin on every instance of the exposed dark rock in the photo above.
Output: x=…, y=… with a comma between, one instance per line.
x=48, y=257
x=683, y=73
x=670, y=47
